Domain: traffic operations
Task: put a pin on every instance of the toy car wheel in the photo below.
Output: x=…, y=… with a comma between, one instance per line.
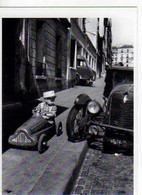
x=42, y=143
x=59, y=129
x=75, y=124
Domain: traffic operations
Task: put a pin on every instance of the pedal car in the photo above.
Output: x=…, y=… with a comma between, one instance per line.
x=34, y=131
x=115, y=118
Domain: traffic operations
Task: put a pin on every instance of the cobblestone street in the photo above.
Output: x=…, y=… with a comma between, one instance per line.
x=103, y=173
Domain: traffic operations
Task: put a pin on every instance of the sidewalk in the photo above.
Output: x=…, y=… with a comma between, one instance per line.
x=54, y=171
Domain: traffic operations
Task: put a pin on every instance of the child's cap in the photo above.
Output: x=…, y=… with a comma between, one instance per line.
x=49, y=94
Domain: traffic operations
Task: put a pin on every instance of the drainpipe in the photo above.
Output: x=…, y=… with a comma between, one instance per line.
x=75, y=54
x=68, y=56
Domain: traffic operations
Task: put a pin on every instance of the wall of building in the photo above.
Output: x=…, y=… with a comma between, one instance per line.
x=54, y=55
x=37, y=54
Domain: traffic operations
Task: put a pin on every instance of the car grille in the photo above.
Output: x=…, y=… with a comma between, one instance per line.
x=121, y=114
x=21, y=138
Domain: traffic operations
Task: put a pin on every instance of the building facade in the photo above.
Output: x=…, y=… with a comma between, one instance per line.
x=104, y=44
x=123, y=55
x=108, y=40
x=79, y=44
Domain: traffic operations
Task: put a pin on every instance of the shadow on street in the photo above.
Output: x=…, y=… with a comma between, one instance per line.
x=97, y=144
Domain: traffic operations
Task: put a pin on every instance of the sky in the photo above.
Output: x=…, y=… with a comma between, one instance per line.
x=123, y=30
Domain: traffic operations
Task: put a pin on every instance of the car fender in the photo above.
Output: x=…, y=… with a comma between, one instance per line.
x=82, y=99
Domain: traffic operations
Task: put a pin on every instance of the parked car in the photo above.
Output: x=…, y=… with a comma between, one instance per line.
x=87, y=118
x=84, y=72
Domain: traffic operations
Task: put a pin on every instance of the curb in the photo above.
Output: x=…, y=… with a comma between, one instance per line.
x=72, y=180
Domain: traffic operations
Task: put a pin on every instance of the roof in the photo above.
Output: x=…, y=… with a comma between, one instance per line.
x=123, y=46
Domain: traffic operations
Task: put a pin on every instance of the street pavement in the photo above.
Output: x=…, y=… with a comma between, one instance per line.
x=25, y=171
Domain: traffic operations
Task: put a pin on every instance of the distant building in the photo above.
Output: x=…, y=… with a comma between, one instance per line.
x=124, y=55
x=104, y=45
x=108, y=40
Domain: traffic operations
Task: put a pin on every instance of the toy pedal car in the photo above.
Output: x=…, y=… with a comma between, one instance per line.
x=34, y=132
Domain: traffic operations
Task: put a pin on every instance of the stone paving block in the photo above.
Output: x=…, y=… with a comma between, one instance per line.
x=84, y=173
x=82, y=181
x=86, y=167
x=79, y=189
x=85, y=192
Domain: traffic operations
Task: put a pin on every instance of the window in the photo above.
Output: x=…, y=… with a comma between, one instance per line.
x=58, y=70
x=72, y=54
x=81, y=63
x=40, y=46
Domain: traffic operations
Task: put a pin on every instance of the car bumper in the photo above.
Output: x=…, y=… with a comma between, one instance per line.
x=87, y=80
x=119, y=143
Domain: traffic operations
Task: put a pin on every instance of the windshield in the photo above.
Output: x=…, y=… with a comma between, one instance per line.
x=116, y=77
x=81, y=63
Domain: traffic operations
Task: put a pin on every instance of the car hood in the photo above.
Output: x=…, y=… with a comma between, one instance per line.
x=123, y=88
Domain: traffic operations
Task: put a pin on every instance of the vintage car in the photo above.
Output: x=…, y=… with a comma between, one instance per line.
x=87, y=118
x=34, y=132
x=84, y=72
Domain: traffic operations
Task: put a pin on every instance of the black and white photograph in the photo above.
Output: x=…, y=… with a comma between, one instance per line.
x=68, y=102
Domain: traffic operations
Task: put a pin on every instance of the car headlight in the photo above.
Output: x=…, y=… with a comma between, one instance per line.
x=93, y=107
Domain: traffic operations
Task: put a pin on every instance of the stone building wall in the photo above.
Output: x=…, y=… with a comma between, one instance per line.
x=52, y=31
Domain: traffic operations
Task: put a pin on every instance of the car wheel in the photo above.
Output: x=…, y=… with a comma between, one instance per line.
x=94, y=77
x=75, y=123
x=90, y=84
x=42, y=143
